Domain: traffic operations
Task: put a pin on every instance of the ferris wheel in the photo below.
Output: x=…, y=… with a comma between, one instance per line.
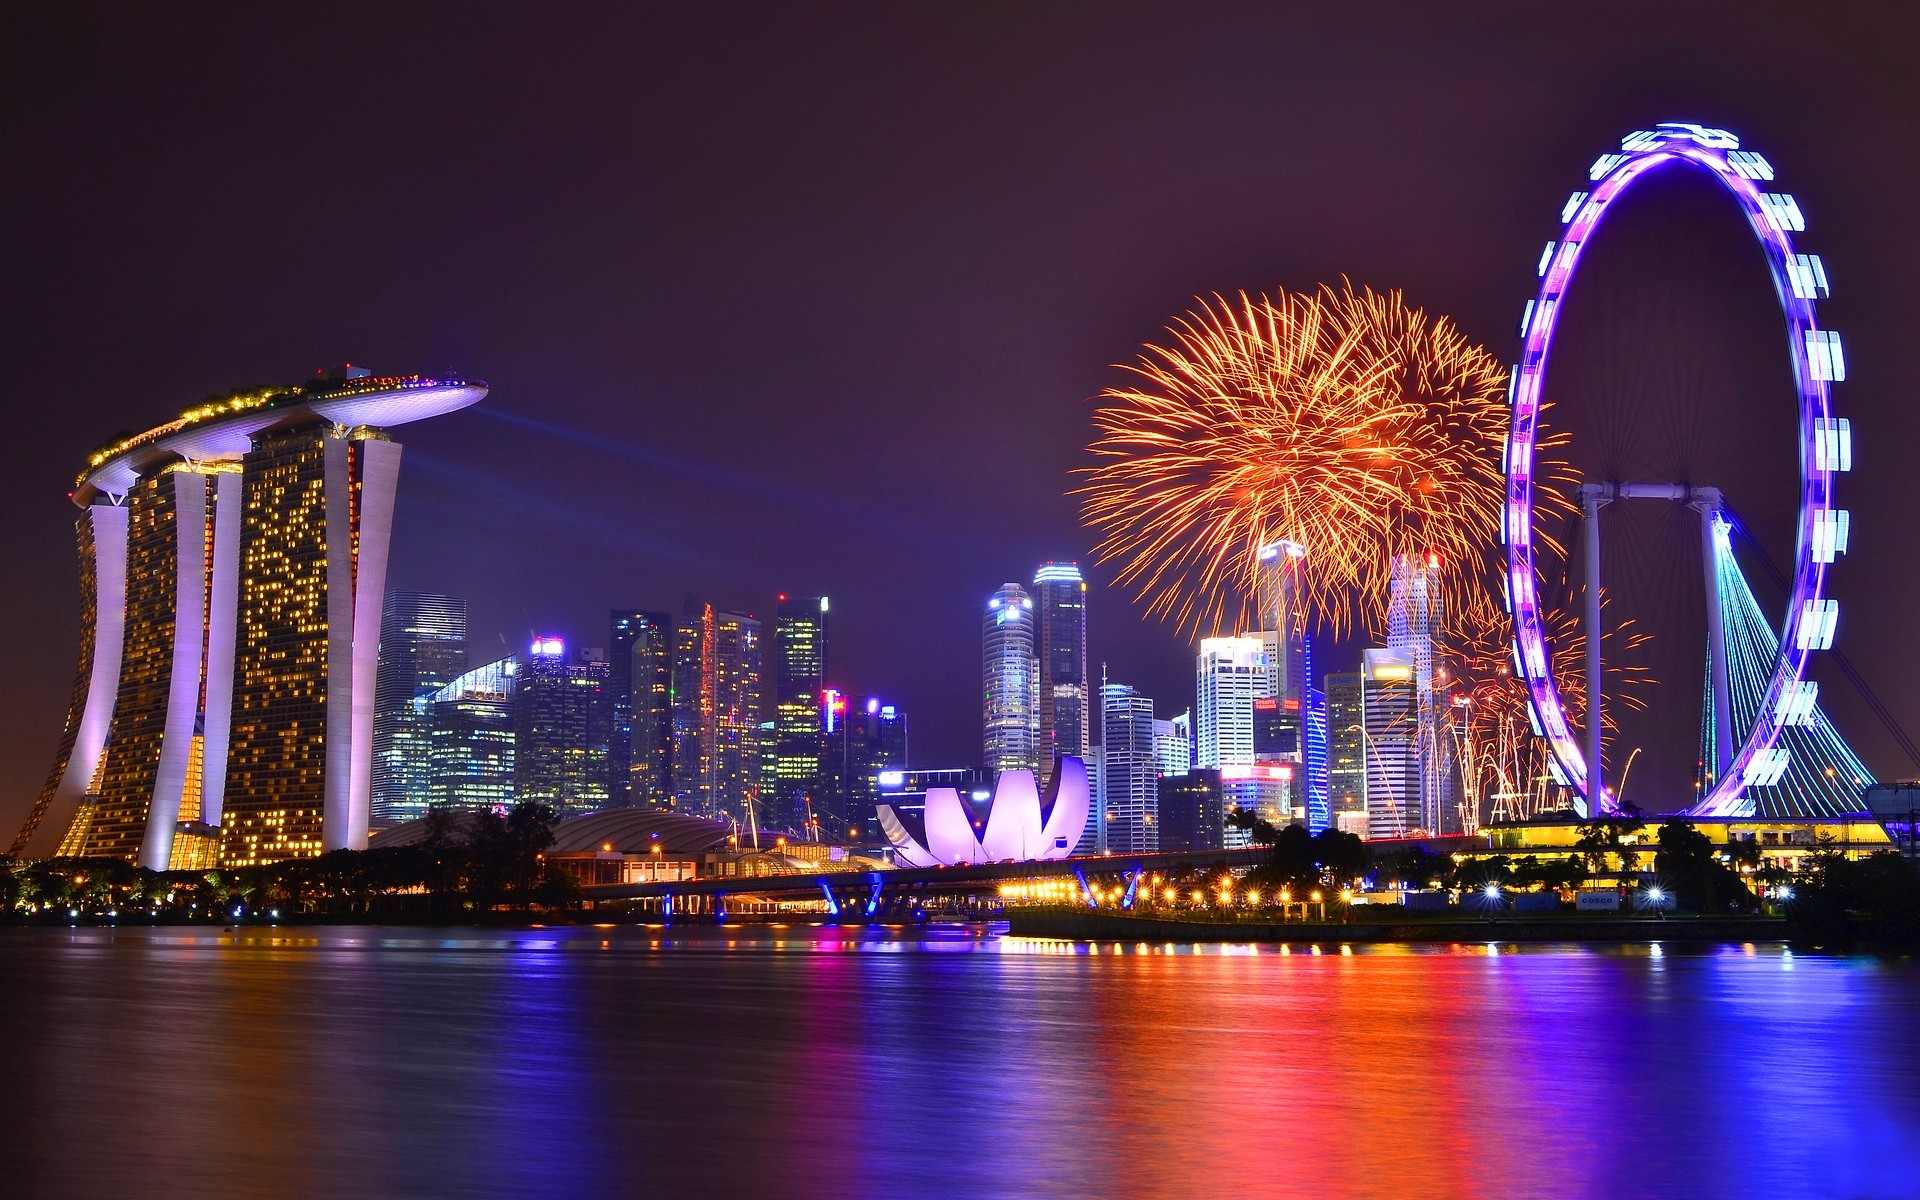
x=1753, y=757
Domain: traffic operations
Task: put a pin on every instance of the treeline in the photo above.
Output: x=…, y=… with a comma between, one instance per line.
x=468, y=863
x=1832, y=897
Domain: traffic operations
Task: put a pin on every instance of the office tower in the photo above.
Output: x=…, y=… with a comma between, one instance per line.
x=866, y=741
x=798, y=761
x=1232, y=674
x=1173, y=744
x=1347, y=741
x=563, y=722
x=1060, y=598
x=1390, y=703
x=1011, y=711
x=1281, y=599
x=230, y=601
x=471, y=732
x=1317, y=783
x=640, y=691
x=1192, y=811
x=1414, y=615
x=1129, y=797
x=423, y=647
x=717, y=702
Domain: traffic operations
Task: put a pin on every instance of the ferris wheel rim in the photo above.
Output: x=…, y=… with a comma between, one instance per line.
x=1825, y=449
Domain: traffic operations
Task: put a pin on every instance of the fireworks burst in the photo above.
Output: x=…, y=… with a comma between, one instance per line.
x=1501, y=761
x=1343, y=419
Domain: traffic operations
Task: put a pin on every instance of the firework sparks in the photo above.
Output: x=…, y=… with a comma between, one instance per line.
x=1343, y=419
x=1501, y=761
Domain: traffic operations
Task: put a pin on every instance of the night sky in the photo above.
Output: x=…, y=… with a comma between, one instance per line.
x=815, y=298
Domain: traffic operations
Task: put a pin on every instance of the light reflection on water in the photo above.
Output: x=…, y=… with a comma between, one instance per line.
x=802, y=1061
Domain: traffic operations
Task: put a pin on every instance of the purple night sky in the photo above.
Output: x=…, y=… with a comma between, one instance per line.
x=813, y=299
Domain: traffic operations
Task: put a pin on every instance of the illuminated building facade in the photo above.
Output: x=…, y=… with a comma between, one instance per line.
x=1060, y=599
x=563, y=722
x=799, y=755
x=233, y=564
x=471, y=732
x=718, y=695
x=1389, y=698
x=1414, y=616
x=1129, y=799
x=1192, y=811
x=423, y=647
x=1232, y=674
x=1347, y=741
x=866, y=742
x=1010, y=713
x=1173, y=744
x=1018, y=821
x=640, y=687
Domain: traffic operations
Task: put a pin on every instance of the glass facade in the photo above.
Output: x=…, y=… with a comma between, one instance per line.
x=1010, y=713
x=1060, y=595
x=562, y=727
x=423, y=647
x=640, y=686
x=798, y=760
x=471, y=734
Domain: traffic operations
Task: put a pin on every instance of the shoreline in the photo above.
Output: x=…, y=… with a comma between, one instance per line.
x=1110, y=926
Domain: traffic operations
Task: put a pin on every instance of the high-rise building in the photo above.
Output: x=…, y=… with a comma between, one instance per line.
x=1390, y=701
x=866, y=742
x=1010, y=713
x=1173, y=744
x=1347, y=741
x=471, y=734
x=1281, y=593
x=640, y=690
x=1192, y=812
x=563, y=723
x=423, y=647
x=233, y=568
x=1232, y=674
x=1060, y=597
x=798, y=761
x=1414, y=615
x=1129, y=798
x=718, y=699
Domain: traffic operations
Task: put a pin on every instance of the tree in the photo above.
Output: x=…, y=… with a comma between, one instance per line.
x=1689, y=868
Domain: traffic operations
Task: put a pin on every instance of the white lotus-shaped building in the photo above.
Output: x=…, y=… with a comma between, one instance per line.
x=1017, y=823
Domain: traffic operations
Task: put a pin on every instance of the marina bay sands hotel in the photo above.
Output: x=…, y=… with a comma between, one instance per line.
x=232, y=567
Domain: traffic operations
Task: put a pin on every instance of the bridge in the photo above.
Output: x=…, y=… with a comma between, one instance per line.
x=888, y=895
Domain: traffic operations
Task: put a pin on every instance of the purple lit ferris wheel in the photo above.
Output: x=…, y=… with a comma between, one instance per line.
x=1825, y=449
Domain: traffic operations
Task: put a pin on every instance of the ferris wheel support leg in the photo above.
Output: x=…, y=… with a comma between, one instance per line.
x=1708, y=505
x=1592, y=497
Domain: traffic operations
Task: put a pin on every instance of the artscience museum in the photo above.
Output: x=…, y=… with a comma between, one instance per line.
x=1017, y=823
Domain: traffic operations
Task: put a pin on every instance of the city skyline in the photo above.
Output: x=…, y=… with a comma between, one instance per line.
x=714, y=481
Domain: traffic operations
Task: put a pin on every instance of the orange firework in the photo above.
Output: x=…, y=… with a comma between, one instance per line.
x=1343, y=420
x=1501, y=761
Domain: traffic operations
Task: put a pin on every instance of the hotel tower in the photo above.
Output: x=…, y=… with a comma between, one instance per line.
x=232, y=570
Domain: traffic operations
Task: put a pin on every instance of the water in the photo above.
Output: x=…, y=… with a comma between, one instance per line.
x=331, y=1061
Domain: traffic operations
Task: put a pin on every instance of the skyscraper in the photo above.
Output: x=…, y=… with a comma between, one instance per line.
x=471, y=731
x=230, y=602
x=1232, y=673
x=1060, y=595
x=799, y=730
x=717, y=701
x=1173, y=744
x=1010, y=714
x=1392, y=758
x=1192, y=813
x=1300, y=708
x=1414, y=615
x=866, y=740
x=423, y=647
x=1347, y=741
x=563, y=722
x=1129, y=797
x=640, y=689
